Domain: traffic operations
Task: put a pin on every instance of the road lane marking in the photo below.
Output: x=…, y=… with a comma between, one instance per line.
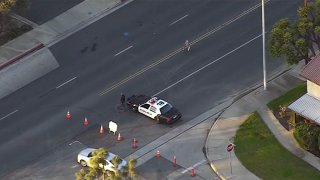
x=9, y=114
x=194, y=166
x=123, y=50
x=140, y=72
x=227, y=23
x=203, y=67
x=201, y=37
x=66, y=82
x=179, y=19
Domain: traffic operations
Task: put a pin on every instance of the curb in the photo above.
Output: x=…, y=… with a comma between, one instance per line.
x=87, y=22
x=242, y=94
x=20, y=56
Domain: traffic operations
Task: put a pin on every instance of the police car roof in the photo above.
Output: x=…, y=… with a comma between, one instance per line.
x=156, y=102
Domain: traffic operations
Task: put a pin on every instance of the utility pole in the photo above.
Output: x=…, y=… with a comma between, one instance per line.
x=264, y=48
x=305, y=3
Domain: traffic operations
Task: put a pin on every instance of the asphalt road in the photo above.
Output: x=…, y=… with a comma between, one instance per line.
x=219, y=66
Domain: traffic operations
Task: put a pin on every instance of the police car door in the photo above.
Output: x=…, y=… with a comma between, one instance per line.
x=153, y=112
x=144, y=109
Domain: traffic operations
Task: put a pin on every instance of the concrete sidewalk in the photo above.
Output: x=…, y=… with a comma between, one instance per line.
x=224, y=129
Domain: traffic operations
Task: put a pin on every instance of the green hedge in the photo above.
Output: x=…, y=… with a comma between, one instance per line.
x=308, y=136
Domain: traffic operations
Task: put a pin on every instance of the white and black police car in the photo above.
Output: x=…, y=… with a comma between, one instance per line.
x=155, y=108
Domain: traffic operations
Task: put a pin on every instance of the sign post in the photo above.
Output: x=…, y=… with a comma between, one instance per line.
x=229, y=149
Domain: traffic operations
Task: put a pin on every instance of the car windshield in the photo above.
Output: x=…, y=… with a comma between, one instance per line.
x=165, y=108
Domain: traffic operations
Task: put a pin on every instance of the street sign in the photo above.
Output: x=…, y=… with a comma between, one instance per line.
x=230, y=147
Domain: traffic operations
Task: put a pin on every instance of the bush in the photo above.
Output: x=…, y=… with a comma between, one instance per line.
x=308, y=136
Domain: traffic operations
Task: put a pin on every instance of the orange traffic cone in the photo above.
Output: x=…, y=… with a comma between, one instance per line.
x=101, y=130
x=158, y=154
x=119, y=137
x=134, y=143
x=192, y=172
x=85, y=122
x=68, y=116
x=174, y=161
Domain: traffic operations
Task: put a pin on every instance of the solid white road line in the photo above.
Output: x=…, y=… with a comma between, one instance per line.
x=179, y=19
x=123, y=50
x=66, y=82
x=8, y=114
x=214, y=61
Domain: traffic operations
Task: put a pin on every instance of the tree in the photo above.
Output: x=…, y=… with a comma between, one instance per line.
x=5, y=8
x=6, y=5
x=132, y=165
x=80, y=174
x=98, y=160
x=308, y=136
x=285, y=41
x=297, y=40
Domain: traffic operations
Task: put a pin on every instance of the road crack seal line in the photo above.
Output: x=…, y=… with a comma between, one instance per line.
x=107, y=90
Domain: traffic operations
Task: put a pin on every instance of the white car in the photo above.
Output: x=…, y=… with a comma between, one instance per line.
x=85, y=155
x=155, y=108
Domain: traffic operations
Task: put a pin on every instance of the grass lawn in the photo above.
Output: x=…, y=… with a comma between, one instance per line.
x=263, y=155
x=288, y=97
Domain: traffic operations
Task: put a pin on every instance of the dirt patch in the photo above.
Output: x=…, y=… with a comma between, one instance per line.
x=284, y=121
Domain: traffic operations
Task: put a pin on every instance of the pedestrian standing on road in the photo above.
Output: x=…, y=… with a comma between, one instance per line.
x=122, y=99
x=187, y=45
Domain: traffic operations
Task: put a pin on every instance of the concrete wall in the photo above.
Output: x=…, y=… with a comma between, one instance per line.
x=313, y=89
x=26, y=70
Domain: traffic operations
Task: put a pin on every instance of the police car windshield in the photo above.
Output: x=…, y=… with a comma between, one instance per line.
x=165, y=108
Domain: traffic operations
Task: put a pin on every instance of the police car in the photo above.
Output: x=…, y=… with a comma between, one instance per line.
x=155, y=108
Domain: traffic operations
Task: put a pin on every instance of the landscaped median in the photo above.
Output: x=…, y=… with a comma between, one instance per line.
x=260, y=152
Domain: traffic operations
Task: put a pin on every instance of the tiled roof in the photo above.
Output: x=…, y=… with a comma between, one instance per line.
x=308, y=107
x=312, y=70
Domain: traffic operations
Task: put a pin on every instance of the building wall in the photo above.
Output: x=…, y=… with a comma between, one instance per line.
x=313, y=89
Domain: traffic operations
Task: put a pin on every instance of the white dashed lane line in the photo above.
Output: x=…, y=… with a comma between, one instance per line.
x=9, y=114
x=123, y=50
x=66, y=82
x=179, y=19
